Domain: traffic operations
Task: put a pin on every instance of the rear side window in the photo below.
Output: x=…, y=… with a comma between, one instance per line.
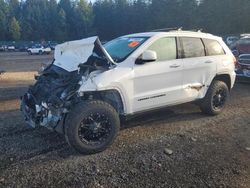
x=213, y=47
x=192, y=47
x=165, y=48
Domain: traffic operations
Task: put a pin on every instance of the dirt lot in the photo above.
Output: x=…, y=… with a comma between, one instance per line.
x=207, y=151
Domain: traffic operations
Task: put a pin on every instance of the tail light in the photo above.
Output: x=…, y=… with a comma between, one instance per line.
x=235, y=61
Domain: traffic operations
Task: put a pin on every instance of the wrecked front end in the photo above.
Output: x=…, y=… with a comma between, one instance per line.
x=55, y=92
x=46, y=102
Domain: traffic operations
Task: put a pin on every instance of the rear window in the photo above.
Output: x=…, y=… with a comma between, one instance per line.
x=213, y=47
x=192, y=47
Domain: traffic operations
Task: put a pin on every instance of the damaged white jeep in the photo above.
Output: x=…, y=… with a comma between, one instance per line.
x=89, y=87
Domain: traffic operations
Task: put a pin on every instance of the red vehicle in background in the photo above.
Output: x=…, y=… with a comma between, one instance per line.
x=241, y=49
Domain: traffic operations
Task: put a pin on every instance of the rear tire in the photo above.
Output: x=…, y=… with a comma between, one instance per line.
x=91, y=127
x=215, y=99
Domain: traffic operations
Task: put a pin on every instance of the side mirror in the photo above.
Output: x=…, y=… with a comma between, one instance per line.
x=149, y=56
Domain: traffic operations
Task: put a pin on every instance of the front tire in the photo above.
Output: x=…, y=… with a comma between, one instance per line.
x=92, y=126
x=215, y=99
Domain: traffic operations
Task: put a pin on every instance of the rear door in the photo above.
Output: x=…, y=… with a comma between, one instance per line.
x=199, y=69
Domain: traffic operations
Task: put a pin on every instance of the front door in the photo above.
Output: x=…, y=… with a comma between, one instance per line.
x=159, y=83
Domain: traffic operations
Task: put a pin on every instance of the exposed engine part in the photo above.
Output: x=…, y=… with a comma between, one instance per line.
x=50, y=97
x=55, y=91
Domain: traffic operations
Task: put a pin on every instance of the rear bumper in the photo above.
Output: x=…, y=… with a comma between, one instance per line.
x=233, y=79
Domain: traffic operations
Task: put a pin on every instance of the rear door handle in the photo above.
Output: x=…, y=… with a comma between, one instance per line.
x=208, y=61
x=174, y=66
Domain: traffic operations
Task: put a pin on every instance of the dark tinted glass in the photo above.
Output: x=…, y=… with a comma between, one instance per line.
x=192, y=47
x=213, y=47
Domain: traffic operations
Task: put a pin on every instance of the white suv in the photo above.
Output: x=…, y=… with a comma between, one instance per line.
x=39, y=49
x=88, y=87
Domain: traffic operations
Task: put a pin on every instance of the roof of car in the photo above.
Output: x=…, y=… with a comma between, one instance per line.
x=246, y=37
x=174, y=33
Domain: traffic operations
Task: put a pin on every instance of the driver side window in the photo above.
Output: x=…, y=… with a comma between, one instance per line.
x=165, y=48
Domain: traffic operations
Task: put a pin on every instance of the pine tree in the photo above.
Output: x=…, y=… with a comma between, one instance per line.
x=68, y=19
x=14, y=29
x=84, y=18
x=3, y=20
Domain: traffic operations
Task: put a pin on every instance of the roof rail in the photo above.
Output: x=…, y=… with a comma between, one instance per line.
x=176, y=29
x=197, y=30
x=167, y=29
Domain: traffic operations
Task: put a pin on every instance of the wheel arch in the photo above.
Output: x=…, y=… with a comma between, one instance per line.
x=112, y=97
x=224, y=78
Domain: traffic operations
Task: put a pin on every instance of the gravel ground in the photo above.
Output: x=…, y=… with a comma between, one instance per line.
x=173, y=147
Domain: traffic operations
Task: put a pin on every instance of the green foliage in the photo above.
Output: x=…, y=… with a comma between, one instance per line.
x=14, y=8
x=14, y=29
x=3, y=20
x=84, y=18
x=67, y=19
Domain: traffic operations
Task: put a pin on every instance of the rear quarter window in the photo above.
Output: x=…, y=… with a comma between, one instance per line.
x=213, y=47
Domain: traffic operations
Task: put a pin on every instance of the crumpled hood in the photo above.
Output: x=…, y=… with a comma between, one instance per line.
x=70, y=54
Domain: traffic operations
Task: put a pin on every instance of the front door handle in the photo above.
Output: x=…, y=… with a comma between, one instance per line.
x=208, y=61
x=174, y=66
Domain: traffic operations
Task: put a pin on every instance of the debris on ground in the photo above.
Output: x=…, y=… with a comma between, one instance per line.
x=168, y=151
x=194, y=139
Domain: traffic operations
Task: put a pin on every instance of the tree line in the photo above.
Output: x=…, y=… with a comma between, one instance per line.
x=68, y=20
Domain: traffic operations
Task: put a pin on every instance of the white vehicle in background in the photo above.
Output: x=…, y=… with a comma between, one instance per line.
x=11, y=48
x=245, y=35
x=2, y=48
x=89, y=87
x=39, y=49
